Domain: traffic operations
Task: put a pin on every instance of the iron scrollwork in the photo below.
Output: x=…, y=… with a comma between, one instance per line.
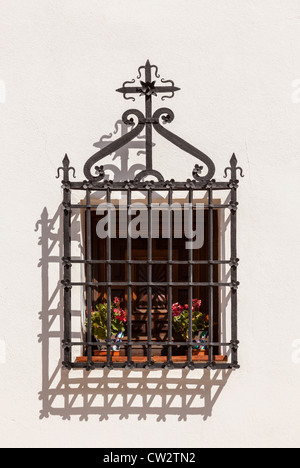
x=115, y=145
x=149, y=88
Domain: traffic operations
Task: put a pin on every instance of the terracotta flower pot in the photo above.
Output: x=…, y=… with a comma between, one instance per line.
x=201, y=340
x=98, y=352
x=198, y=352
x=115, y=349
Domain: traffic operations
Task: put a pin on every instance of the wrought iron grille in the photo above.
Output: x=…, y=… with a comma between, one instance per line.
x=201, y=181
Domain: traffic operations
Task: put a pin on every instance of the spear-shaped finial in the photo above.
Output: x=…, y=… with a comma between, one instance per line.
x=233, y=168
x=66, y=161
x=66, y=169
x=233, y=160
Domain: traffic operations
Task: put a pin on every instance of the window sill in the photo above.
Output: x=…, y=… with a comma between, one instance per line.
x=158, y=359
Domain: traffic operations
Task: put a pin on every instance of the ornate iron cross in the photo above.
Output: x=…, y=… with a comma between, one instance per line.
x=149, y=88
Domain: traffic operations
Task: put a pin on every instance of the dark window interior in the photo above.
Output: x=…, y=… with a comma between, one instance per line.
x=159, y=275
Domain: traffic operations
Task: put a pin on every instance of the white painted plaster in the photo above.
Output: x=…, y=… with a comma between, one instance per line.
x=237, y=64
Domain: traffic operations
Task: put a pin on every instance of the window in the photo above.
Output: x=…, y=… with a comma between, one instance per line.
x=141, y=247
x=168, y=267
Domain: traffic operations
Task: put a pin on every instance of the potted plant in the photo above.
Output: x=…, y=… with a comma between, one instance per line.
x=200, y=324
x=99, y=326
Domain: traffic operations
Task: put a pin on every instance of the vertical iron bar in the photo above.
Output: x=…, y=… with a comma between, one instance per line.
x=170, y=276
x=67, y=267
x=108, y=276
x=89, y=276
x=210, y=272
x=129, y=280
x=149, y=277
x=233, y=216
x=190, y=278
x=148, y=102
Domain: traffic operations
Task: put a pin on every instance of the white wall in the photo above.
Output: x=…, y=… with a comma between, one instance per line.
x=237, y=64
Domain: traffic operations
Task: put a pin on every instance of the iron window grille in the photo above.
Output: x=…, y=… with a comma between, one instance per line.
x=202, y=181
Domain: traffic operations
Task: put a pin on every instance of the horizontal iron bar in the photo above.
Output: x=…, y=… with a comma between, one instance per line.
x=154, y=262
x=116, y=186
x=150, y=343
x=155, y=365
x=135, y=283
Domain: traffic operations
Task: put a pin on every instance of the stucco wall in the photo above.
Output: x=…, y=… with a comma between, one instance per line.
x=237, y=63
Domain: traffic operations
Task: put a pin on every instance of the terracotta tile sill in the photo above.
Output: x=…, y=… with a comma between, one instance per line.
x=159, y=359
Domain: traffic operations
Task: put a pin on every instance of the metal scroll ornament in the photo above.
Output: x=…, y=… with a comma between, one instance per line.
x=149, y=88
